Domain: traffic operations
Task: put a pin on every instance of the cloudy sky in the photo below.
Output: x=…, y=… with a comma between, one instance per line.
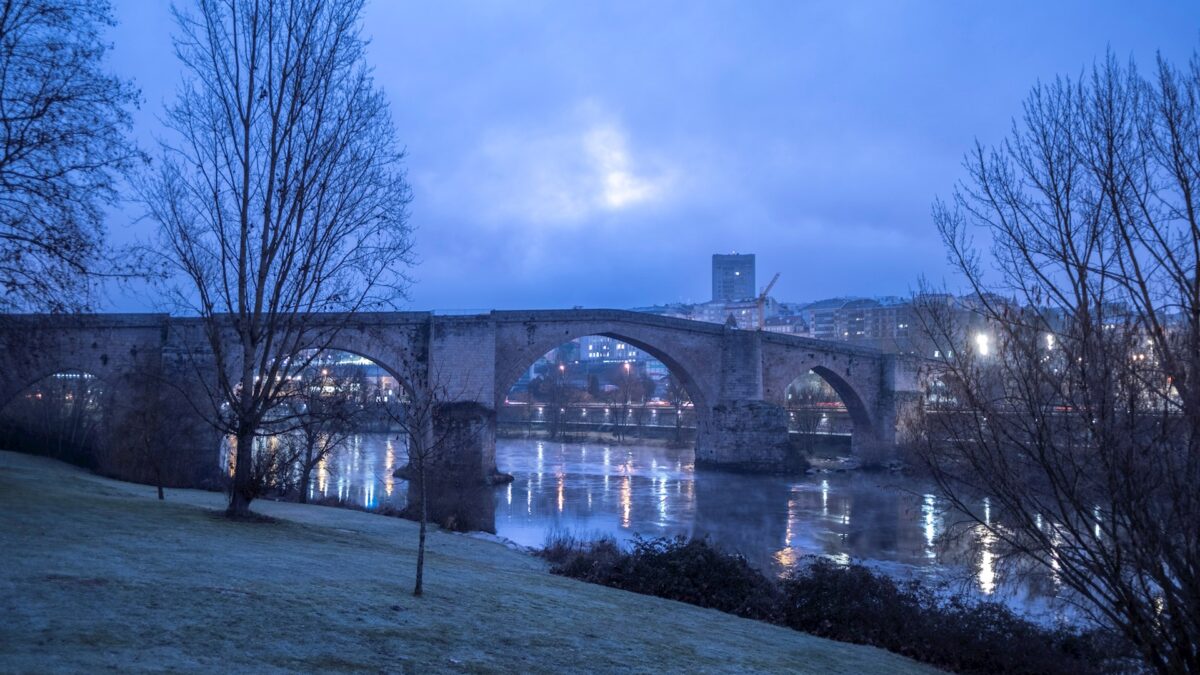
x=597, y=153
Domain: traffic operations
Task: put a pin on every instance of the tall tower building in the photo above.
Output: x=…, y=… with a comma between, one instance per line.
x=732, y=277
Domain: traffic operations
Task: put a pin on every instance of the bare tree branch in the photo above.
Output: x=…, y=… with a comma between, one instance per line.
x=1081, y=425
x=63, y=150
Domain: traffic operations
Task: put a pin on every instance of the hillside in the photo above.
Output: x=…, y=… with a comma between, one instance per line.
x=98, y=574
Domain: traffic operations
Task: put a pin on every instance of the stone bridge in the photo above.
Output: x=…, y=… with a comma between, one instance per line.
x=737, y=379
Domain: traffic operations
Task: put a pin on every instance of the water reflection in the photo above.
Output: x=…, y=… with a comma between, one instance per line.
x=893, y=523
x=987, y=560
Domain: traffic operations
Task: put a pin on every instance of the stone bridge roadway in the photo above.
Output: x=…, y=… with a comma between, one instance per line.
x=737, y=379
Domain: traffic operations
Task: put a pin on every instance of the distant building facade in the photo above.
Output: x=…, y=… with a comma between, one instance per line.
x=890, y=324
x=732, y=277
x=601, y=349
x=885, y=323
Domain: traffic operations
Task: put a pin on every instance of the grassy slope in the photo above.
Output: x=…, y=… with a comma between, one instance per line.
x=95, y=573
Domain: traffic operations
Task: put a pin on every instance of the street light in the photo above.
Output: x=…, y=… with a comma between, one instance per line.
x=982, y=344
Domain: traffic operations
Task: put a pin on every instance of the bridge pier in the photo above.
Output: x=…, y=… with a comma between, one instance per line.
x=465, y=432
x=747, y=435
x=901, y=398
x=462, y=442
x=461, y=464
x=744, y=432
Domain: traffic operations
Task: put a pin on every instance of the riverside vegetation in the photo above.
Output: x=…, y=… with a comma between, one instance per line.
x=848, y=603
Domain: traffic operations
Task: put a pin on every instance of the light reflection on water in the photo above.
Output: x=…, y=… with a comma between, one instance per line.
x=888, y=521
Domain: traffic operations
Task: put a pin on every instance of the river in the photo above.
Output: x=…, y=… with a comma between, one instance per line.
x=890, y=522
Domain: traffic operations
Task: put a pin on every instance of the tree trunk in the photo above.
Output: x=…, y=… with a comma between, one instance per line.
x=304, y=479
x=421, y=539
x=158, y=481
x=242, y=492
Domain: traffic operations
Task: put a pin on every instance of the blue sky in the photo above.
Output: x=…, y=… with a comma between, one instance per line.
x=581, y=153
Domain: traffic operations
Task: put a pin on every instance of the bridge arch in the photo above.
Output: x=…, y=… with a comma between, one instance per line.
x=852, y=382
x=855, y=407
x=403, y=377
x=514, y=364
x=62, y=414
x=336, y=346
x=20, y=380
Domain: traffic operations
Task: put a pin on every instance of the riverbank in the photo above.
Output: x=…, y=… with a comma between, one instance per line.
x=657, y=438
x=99, y=574
x=815, y=447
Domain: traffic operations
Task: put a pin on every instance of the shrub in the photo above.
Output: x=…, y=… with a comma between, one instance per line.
x=854, y=604
x=691, y=571
x=850, y=603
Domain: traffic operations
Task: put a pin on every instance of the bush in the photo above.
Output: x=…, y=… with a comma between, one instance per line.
x=854, y=604
x=692, y=571
x=850, y=603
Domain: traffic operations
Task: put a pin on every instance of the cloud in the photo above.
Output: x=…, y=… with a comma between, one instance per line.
x=607, y=147
x=562, y=173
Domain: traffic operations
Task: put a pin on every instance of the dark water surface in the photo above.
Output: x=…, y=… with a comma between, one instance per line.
x=888, y=521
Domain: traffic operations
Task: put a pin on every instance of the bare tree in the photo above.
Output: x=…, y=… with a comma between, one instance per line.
x=558, y=392
x=63, y=149
x=678, y=397
x=629, y=389
x=149, y=420
x=280, y=195
x=436, y=425
x=805, y=415
x=1073, y=407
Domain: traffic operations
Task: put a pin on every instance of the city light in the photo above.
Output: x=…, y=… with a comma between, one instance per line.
x=983, y=344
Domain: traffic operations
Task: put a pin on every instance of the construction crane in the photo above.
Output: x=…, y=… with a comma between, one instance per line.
x=762, y=302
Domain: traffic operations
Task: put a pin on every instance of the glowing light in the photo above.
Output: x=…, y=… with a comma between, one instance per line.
x=662, y=501
x=786, y=557
x=626, y=501
x=987, y=562
x=389, y=479
x=929, y=508
x=322, y=476
x=983, y=344
x=987, y=559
